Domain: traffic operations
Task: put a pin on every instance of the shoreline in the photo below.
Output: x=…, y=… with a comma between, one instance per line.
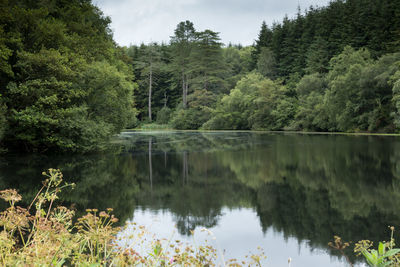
x=262, y=131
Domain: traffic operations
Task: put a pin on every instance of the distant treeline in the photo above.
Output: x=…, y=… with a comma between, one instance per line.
x=332, y=68
x=65, y=84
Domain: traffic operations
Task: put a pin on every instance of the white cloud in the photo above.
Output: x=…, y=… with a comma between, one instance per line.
x=238, y=21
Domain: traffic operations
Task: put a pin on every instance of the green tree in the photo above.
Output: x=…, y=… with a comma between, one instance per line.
x=273, y=109
x=266, y=63
x=360, y=91
x=164, y=115
x=200, y=107
x=237, y=61
x=109, y=95
x=317, y=57
x=311, y=114
x=206, y=68
x=264, y=40
x=396, y=100
x=343, y=96
x=182, y=44
x=255, y=103
x=65, y=73
x=311, y=83
x=234, y=110
x=3, y=121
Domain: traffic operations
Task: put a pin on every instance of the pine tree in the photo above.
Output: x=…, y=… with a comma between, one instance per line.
x=264, y=40
x=207, y=66
x=182, y=44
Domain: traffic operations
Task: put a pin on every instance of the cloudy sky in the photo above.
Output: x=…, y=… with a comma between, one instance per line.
x=237, y=21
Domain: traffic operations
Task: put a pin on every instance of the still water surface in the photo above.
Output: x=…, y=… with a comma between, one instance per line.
x=287, y=193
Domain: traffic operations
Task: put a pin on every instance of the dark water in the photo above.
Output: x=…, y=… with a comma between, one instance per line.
x=287, y=193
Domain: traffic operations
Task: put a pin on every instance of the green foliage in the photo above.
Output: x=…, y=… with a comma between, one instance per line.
x=273, y=110
x=264, y=40
x=234, y=110
x=396, y=100
x=5, y=53
x=311, y=83
x=63, y=81
x=266, y=63
x=3, y=122
x=306, y=43
x=133, y=121
x=164, y=115
x=386, y=255
x=333, y=71
x=311, y=114
x=183, y=119
x=198, y=112
x=238, y=63
x=317, y=60
x=182, y=45
x=359, y=91
x=206, y=68
x=355, y=95
x=71, y=110
x=255, y=103
x=66, y=86
x=109, y=95
x=378, y=258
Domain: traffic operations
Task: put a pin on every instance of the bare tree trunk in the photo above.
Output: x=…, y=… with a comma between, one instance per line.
x=165, y=99
x=150, y=88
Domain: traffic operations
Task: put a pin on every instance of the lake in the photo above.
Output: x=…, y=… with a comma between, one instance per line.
x=286, y=193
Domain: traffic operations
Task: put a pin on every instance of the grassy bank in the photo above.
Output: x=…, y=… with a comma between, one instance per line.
x=166, y=127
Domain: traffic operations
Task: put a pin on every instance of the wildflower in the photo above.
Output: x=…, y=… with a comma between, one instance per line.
x=10, y=195
x=104, y=214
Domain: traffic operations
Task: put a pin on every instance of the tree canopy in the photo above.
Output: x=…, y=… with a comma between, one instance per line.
x=330, y=68
x=64, y=81
x=66, y=86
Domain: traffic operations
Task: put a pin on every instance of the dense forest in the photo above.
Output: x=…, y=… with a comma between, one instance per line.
x=333, y=68
x=65, y=85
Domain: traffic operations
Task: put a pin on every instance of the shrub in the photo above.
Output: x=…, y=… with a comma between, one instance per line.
x=164, y=115
x=191, y=118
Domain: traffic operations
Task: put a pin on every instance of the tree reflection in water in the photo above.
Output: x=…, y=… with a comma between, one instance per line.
x=307, y=186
